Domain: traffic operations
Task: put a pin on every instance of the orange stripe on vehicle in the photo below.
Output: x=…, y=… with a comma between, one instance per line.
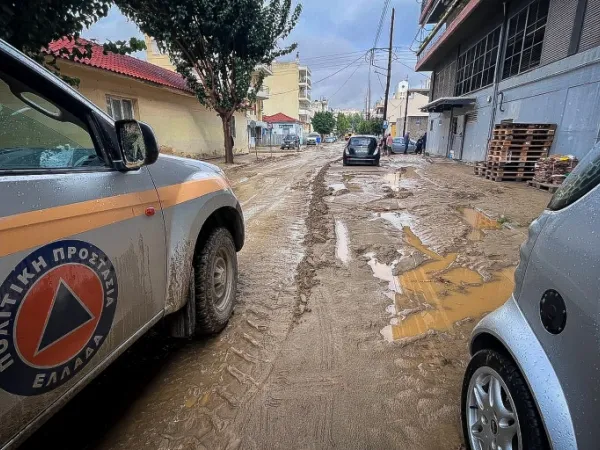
x=180, y=193
x=31, y=229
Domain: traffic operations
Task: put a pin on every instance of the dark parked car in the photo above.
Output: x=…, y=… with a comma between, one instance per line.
x=361, y=150
x=290, y=141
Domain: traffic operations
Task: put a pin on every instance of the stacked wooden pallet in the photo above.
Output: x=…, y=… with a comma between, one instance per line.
x=515, y=148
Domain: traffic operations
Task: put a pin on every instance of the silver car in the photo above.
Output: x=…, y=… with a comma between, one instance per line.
x=100, y=239
x=398, y=145
x=534, y=378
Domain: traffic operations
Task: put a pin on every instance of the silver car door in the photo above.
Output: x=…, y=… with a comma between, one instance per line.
x=82, y=246
x=560, y=295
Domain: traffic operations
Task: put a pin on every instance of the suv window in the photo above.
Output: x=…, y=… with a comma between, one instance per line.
x=582, y=180
x=36, y=134
x=363, y=142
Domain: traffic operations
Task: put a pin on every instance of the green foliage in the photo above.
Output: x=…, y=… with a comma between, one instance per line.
x=355, y=121
x=216, y=45
x=323, y=122
x=343, y=124
x=30, y=25
x=371, y=126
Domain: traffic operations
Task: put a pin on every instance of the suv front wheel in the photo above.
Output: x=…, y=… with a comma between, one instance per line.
x=216, y=273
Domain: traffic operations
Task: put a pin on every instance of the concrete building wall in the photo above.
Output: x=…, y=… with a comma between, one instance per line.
x=283, y=87
x=179, y=121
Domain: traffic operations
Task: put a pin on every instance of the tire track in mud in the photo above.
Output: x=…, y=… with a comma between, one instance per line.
x=317, y=232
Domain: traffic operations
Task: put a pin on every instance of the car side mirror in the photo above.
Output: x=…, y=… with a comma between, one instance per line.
x=137, y=142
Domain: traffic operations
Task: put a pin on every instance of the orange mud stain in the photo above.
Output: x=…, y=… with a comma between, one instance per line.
x=478, y=221
x=453, y=293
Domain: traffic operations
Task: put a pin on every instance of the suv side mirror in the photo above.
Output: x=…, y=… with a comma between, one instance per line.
x=138, y=144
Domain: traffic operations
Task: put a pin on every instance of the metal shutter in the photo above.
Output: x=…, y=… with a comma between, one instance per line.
x=590, y=35
x=559, y=27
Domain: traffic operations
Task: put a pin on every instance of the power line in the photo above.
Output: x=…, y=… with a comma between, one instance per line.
x=344, y=84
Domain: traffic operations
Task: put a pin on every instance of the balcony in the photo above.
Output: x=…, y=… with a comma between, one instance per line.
x=267, y=69
x=264, y=93
x=305, y=81
x=304, y=95
x=433, y=10
x=456, y=25
x=305, y=71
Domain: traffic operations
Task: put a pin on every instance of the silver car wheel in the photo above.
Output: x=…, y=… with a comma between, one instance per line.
x=222, y=278
x=491, y=414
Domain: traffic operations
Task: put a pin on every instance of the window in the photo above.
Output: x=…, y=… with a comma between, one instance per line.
x=582, y=180
x=431, y=126
x=476, y=65
x=37, y=134
x=119, y=108
x=525, y=38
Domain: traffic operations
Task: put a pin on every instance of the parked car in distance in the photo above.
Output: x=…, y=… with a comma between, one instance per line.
x=101, y=238
x=533, y=377
x=330, y=139
x=361, y=149
x=290, y=141
x=313, y=139
x=398, y=145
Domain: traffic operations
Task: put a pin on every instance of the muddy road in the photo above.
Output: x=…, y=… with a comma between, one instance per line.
x=358, y=290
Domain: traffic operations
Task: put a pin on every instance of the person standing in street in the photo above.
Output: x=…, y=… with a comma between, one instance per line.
x=388, y=144
x=424, y=138
x=406, y=142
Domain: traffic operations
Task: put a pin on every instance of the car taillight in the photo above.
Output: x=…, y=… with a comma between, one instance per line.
x=525, y=251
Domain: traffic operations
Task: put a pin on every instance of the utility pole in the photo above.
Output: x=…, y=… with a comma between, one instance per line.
x=406, y=107
x=389, y=73
x=368, y=114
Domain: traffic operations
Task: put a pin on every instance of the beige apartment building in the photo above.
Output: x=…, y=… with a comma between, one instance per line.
x=290, y=92
x=406, y=102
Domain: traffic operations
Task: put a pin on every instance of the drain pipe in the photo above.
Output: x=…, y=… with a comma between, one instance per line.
x=497, y=76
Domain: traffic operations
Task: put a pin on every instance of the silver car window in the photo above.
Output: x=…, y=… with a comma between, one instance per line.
x=582, y=180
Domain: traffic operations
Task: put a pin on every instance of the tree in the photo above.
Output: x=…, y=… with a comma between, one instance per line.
x=30, y=25
x=343, y=124
x=376, y=126
x=216, y=46
x=323, y=122
x=355, y=121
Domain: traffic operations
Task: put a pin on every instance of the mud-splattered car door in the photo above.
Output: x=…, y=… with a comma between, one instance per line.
x=82, y=246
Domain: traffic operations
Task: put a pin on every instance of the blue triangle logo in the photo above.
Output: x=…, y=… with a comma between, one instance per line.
x=67, y=314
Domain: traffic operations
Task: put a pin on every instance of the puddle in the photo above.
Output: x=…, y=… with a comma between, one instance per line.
x=342, y=250
x=440, y=294
x=384, y=272
x=403, y=178
x=337, y=186
x=478, y=222
x=399, y=220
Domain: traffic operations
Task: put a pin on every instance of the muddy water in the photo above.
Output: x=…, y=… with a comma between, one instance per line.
x=478, y=222
x=404, y=177
x=439, y=294
x=342, y=248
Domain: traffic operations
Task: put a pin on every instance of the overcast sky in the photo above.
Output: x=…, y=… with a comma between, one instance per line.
x=331, y=34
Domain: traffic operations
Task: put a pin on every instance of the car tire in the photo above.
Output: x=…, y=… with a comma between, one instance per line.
x=489, y=363
x=215, y=270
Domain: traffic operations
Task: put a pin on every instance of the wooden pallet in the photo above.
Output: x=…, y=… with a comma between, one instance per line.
x=511, y=164
x=479, y=168
x=523, y=176
x=552, y=188
x=524, y=132
x=515, y=157
x=528, y=126
x=520, y=143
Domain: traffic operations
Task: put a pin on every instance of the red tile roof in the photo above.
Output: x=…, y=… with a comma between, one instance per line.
x=280, y=118
x=123, y=64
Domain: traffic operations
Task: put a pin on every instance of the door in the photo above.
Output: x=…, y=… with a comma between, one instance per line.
x=560, y=297
x=82, y=257
x=457, y=130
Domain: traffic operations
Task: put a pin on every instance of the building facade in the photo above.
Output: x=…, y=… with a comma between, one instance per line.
x=255, y=125
x=129, y=88
x=525, y=61
x=290, y=89
x=408, y=103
